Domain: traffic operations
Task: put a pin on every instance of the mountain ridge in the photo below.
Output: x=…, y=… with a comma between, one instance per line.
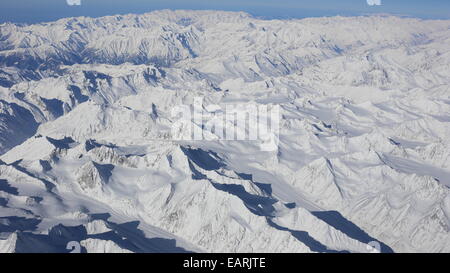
x=87, y=153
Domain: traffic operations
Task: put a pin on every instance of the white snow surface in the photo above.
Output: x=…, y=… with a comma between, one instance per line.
x=363, y=155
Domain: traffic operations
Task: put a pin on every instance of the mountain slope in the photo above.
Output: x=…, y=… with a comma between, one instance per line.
x=88, y=152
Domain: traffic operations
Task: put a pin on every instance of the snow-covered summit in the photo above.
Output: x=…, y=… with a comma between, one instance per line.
x=87, y=155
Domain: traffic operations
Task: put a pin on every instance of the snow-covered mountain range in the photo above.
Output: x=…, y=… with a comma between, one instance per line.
x=363, y=154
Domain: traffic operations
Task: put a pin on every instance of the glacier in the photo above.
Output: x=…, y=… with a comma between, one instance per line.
x=363, y=153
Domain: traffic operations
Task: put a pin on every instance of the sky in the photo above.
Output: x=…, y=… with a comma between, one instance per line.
x=35, y=11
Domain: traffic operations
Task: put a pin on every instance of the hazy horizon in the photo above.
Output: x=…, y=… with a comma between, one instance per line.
x=24, y=11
